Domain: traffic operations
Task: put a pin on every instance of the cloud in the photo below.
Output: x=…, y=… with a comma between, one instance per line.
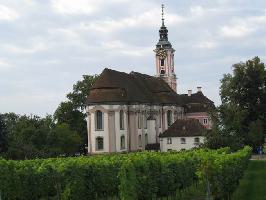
x=81, y=7
x=242, y=27
x=36, y=47
x=207, y=45
x=146, y=19
x=236, y=31
x=51, y=44
x=4, y=64
x=7, y=14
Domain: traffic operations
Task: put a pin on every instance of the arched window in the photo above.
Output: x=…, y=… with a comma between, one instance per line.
x=121, y=119
x=140, y=141
x=146, y=139
x=122, y=142
x=99, y=143
x=196, y=141
x=169, y=118
x=99, y=120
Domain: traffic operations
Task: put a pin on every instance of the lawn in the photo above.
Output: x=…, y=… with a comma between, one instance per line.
x=253, y=184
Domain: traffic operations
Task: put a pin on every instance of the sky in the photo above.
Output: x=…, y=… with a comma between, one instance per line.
x=46, y=46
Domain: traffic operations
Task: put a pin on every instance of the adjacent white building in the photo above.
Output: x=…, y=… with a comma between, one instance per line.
x=184, y=134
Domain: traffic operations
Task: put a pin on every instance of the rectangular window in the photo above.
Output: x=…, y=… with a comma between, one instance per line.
x=122, y=142
x=183, y=140
x=196, y=141
x=169, y=118
x=99, y=120
x=140, y=141
x=160, y=120
x=169, y=140
x=145, y=122
x=139, y=120
x=162, y=62
x=205, y=121
x=99, y=143
x=121, y=119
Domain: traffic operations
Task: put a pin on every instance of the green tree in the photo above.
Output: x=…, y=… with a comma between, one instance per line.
x=72, y=112
x=255, y=134
x=243, y=95
x=3, y=135
x=27, y=137
x=81, y=91
x=62, y=140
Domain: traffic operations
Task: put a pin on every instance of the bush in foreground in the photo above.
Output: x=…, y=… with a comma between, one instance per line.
x=143, y=175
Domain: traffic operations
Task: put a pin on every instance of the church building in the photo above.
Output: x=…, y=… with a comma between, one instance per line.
x=133, y=112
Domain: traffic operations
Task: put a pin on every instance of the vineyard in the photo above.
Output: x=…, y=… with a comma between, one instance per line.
x=143, y=175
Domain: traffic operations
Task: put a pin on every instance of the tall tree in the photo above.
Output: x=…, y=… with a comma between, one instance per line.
x=243, y=96
x=3, y=135
x=72, y=112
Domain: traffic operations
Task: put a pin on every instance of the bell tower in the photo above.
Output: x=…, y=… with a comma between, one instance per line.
x=164, y=57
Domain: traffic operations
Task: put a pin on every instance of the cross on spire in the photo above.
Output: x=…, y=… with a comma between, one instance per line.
x=162, y=14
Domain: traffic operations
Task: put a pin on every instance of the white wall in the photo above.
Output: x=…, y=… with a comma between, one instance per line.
x=152, y=129
x=103, y=133
x=176, y=143
x=119, y=132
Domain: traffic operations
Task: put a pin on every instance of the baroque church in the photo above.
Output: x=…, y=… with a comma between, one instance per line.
x=133, y=111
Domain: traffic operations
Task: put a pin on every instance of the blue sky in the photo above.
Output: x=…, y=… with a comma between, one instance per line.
x=46, y=46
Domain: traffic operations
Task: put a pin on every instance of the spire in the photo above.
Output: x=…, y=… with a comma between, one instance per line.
x=162, y=15
x=163, y=33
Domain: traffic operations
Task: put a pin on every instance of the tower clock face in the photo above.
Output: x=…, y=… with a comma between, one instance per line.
x=161, y=53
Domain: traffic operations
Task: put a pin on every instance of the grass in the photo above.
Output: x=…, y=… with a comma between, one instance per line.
x=253, y=184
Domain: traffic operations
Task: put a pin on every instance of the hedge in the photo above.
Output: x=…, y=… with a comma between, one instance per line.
x=143, y=175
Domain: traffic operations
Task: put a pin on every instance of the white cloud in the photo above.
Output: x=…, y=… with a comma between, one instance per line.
x=4, y=64
x=149, y=18
x=139, y=52
x=75, y=6
x=115, y=44
x=236, y=31
x=36, y=47
x=7, y=14
x=207, y=45
x=118, y=47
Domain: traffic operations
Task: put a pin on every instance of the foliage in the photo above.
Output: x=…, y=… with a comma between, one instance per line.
x=34, y=137
x=243, y=95
x=61, y=140
x=143, y=175
x=3, y=135
x=72, y=111
x=81, y=91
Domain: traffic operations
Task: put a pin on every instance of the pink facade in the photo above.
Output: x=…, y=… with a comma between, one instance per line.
x=203, y=118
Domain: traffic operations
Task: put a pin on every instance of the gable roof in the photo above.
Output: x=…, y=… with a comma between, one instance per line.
x=185, y=128
x=119, y=87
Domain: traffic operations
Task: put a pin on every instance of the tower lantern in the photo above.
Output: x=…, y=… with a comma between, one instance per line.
x=164, y=56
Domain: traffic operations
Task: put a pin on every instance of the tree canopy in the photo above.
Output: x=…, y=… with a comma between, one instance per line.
x=63, y=133
x=72, y=112
x=242, y=114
